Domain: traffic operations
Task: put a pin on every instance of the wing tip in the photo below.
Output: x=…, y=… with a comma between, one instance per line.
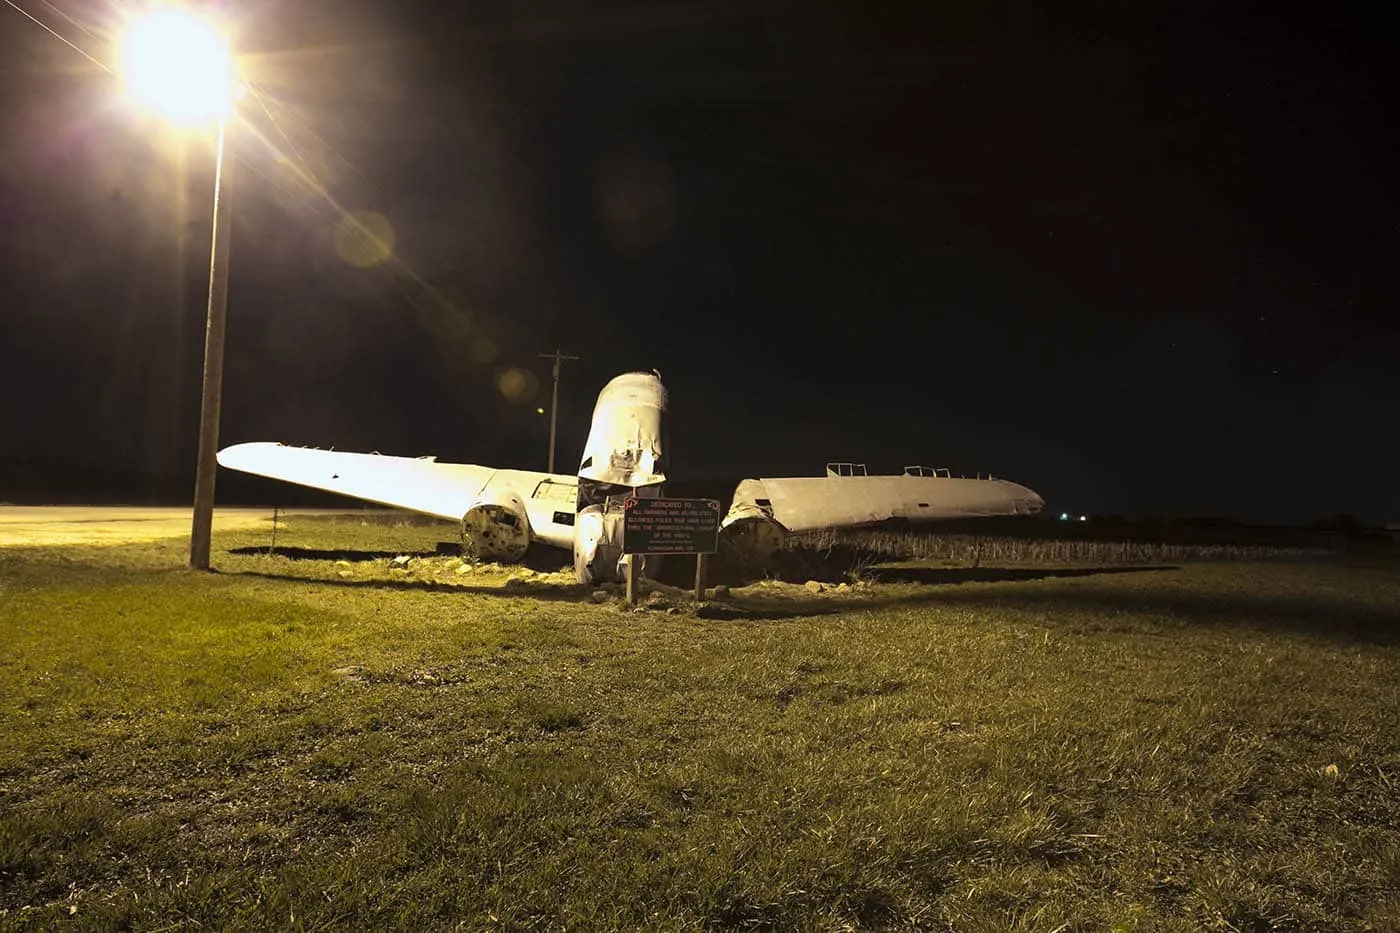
x=235, y=456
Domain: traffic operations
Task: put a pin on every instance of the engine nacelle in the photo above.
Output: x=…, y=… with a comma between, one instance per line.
x=750, y=537
x=597, y=545
x=598, y=556
x=496, y=527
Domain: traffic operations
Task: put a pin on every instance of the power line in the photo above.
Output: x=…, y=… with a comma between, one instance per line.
x=56, y=34
x=88, y=32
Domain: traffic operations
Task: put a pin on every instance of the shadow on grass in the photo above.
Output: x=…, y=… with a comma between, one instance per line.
x=552, y=592
x=1150, y=609
x=539, y=557
x=1109, y=610
x=787, y=605
x=308, y=553
x=945, y=576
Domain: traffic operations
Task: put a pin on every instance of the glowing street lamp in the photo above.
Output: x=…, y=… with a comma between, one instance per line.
x=179, y=65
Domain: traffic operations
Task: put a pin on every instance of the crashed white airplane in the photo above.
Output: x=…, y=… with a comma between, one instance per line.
x=502, y=511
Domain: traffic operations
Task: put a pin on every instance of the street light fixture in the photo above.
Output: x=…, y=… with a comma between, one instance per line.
x=179, y=65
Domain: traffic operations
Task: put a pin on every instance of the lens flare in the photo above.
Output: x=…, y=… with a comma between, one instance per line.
x=482, y=351
x=517, y=385
x=364, y=239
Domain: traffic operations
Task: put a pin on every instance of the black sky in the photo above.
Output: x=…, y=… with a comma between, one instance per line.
x=1140, y=260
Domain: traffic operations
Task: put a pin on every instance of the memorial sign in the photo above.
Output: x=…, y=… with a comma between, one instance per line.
x=670, y=526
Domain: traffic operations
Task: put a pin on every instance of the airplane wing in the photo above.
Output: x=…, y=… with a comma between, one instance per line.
x=419, y=484
x=843, y=501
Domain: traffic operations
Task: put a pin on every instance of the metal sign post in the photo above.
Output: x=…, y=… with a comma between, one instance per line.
x=700, y=561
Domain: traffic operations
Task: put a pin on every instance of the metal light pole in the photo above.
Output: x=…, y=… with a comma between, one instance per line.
x=211, y=399
x=558, y=358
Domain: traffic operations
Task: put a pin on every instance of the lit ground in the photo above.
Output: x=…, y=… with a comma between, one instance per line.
x=354, y=732
x=51, y=525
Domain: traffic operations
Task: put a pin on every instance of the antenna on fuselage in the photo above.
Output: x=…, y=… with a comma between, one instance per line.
x=558, y=357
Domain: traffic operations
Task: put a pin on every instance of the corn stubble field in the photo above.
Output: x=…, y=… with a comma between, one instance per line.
x=324, y=738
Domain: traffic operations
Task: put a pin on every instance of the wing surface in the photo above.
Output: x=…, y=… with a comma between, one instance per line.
x=419, y=484
x=818, y=502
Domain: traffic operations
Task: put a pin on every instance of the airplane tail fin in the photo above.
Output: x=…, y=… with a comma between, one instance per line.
x=624, y=442
x=623, y=455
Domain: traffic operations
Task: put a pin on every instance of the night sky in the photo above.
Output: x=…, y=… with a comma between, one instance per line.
x=1140, y=260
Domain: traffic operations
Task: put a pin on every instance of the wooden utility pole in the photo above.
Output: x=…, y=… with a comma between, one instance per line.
x=202, y=523
x=558, y=358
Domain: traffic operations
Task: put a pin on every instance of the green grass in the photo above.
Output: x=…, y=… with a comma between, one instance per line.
x=296, y=742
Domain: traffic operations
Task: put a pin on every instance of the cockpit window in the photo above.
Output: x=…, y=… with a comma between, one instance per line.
x=553, y=491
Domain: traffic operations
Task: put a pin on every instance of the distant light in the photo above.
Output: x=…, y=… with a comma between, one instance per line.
x=539, y=411
x=1064, y=516
x=1083, y=518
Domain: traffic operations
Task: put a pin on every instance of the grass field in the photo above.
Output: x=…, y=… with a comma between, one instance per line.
x=324, y=739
